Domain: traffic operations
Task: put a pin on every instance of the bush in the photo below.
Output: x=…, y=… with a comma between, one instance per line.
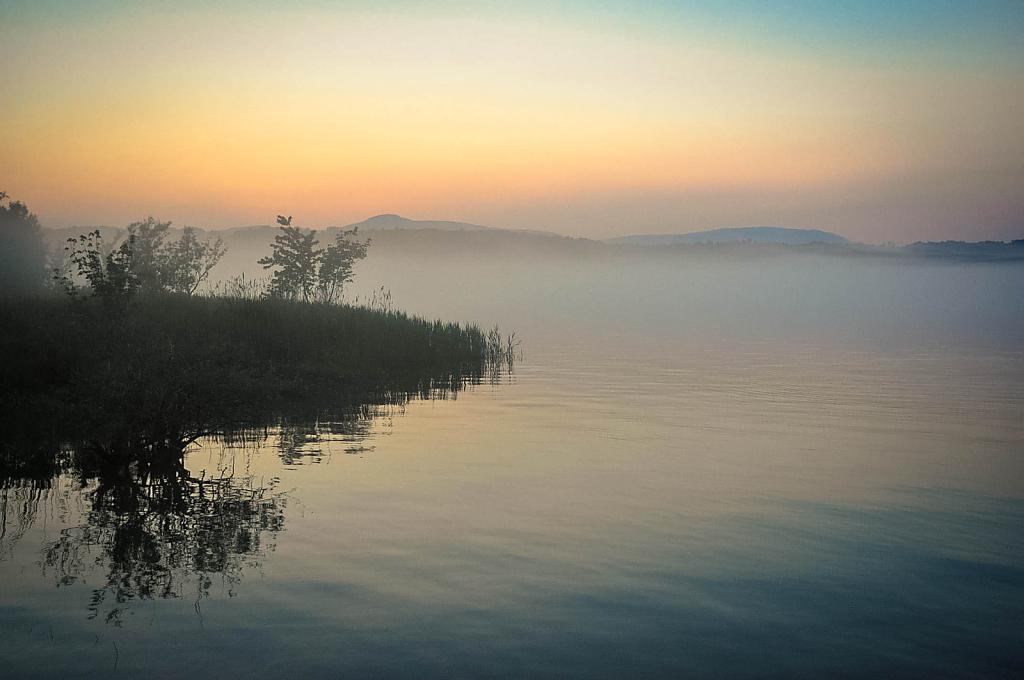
x=143, y=262
x=22, y=253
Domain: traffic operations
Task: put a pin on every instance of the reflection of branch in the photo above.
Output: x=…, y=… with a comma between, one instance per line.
x=157, y=526
x=18, y=506
x=307, y=440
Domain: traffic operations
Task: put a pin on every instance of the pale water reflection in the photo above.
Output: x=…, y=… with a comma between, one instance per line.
x=626, y=504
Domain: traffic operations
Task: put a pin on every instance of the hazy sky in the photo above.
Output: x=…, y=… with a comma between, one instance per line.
x=894, y=120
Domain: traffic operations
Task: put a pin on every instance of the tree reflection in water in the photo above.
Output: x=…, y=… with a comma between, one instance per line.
x=159, y=529
x=114, y=473
x=152, y=527
x=149, y=526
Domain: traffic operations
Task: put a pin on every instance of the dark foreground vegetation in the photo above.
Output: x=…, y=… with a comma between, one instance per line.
x=181, y=365
x=115, y=350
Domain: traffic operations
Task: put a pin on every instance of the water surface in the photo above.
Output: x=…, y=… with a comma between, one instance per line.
x=788, y=467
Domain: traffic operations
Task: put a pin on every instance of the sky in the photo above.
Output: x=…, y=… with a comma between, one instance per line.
x=883, y=121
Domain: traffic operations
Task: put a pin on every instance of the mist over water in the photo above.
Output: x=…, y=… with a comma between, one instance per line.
x=781, y=465
x=792, y=301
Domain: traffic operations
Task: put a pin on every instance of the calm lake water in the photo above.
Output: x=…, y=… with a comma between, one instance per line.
x=778, y=467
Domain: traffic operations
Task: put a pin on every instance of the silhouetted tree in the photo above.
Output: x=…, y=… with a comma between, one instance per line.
x=294, y=259
x=190, y=260
x=144, y=261
x=302, y=271
x=149, y=253
x=108, y=273
x=337, y=263
x=22, y=253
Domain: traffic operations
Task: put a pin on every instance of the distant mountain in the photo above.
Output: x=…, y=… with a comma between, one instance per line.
x=57, y=238
x=398, y=239
x=781, y=235
x=388, y=221
x=977, y=251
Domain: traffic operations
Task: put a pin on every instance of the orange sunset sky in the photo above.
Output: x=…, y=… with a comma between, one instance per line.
x=880, y=122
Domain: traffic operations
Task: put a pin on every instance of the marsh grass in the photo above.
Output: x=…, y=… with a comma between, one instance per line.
x=177, y=367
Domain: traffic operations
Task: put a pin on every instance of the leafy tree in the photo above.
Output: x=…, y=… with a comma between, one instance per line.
x=109, y=273
x=22, y=253
x=302, y=271
x=294, y=259
x=189, y=261
x=337, y=262
x=145, y=261
x=150, y=253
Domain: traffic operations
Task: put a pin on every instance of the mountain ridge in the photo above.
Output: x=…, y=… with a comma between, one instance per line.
x=391, y=221
x=779, y=235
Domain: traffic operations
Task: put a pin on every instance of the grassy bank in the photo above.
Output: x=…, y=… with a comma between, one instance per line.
x=172, y=365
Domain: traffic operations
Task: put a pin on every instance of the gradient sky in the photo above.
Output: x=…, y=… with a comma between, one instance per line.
x=896, y=120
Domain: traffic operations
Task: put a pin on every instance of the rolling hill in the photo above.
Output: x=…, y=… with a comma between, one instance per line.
x=778, y=235
x=389, y=222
